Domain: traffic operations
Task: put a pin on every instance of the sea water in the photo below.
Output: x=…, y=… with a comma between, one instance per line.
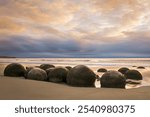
x=84, y=61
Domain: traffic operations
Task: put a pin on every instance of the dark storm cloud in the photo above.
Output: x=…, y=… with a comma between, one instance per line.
x=26, y=46
x=134, y=47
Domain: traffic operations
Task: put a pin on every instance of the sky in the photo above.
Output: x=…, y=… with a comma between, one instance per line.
x=75, y=28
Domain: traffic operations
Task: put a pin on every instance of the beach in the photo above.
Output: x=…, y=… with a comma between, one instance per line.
x=18, y=88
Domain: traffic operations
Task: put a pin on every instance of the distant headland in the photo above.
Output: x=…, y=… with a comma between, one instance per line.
x=7, y=57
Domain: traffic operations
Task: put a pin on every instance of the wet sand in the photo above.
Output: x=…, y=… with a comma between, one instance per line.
x=19, y=88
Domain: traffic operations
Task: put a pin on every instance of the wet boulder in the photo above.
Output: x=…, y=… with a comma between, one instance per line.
x=113, y=79
x=133, y=74
x=102, y=70
x=14, y=70
x=81, y=76
x=140, y=67
x=123, y=70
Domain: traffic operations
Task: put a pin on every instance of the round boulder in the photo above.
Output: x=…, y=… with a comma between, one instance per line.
x=113, y=79
x=46, y=66
x=140, y=67
x=58, y=74
x=133, y=74
x=37, y=74
x=81, y=76
x=123, y=70
x=102, y=70
x=14, y=70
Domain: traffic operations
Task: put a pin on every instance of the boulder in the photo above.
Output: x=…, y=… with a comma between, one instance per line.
x=14, y=70
x=140, y=67
x=133, y=74
x=102, y=70
x=37, y=74
x=113, y=79
x=81, y=76
x=58, y=74
x=123, y=70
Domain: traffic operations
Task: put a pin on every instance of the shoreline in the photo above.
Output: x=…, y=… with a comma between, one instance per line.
x=17, y=88
x=21, y=89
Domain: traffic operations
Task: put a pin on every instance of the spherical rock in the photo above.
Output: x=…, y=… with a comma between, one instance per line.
x=46, y=66
x=14, y=70
x=68, y=67
x=81, y=76
x=58, y=74
x=113, y=79
x=30, y=68
x=123, y=70
x=37, y=74
x=102, y=70
x=140, y=67
x=133, y=74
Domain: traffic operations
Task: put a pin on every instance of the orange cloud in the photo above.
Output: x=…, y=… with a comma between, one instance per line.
x=111, y=5
x=101, y=20
x=38, y=17
x=9, y=26
x=39, y=11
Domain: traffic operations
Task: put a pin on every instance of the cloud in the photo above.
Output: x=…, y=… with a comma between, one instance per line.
x=21, y=46
x=36, y=18
x=9, y=26
x=43, y=11
x=136, y=44
x=74, y=28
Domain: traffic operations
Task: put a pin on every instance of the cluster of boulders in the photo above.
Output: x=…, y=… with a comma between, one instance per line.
x=80, y=75
x=118, y=79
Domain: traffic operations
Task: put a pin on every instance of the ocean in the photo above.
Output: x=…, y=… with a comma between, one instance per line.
x=84, y=61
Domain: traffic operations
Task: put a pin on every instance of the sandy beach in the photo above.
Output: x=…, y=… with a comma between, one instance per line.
x=15, y=88
x=19, y=88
